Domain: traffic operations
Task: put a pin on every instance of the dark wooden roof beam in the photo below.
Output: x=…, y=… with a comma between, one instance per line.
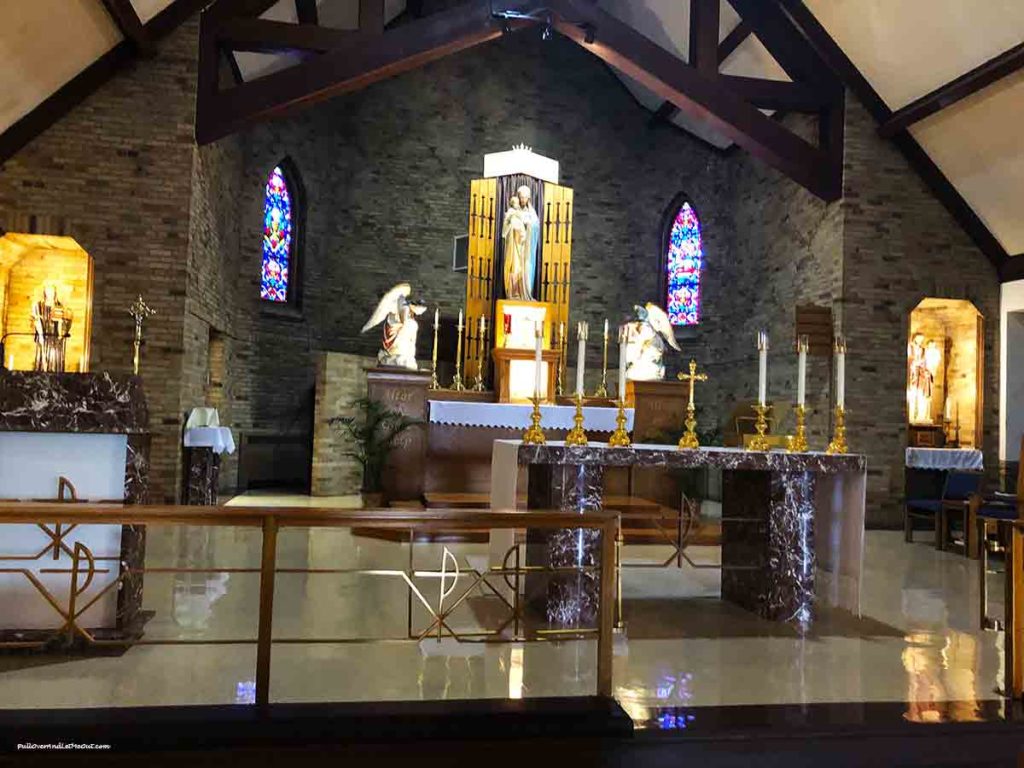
x=967, y=84
x=128, y=22
x=704, y=34
x=696, y=94
x=306, y=12
x=265, y=36
x=371, y=17
x=778, y=94
x=733, y=40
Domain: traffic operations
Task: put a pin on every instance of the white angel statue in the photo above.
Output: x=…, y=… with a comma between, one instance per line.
x=645, y=348
x=398, y=312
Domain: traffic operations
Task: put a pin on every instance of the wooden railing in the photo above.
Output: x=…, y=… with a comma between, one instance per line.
x=272, y=519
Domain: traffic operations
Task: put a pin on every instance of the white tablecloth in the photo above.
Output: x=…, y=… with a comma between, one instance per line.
x=517, y=416
x=945, y=458
x=202, y=417
x=217, y=438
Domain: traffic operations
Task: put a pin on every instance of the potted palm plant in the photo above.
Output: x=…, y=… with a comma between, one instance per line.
x=371, y=432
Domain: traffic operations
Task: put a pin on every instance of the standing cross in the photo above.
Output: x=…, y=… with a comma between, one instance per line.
x=140, y=311
x=693, y=377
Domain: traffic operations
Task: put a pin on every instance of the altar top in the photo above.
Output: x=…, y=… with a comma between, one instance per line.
x=670, y=457
x=521, y=159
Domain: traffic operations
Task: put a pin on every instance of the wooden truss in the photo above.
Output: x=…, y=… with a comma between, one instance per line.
x=332, y=62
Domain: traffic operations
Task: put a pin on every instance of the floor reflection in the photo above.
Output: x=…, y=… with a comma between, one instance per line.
x=916, y=646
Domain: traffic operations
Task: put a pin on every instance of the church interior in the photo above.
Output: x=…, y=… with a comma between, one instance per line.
x=644, y=375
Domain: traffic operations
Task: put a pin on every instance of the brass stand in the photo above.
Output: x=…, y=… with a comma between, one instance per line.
x=798, y=442
x=602, y=389
x=534, y=435
x=576, y=435
x=838, y=444
x=478, y=383
x=620, y=437
x=457, y=385
x=760, y=442
x=434, y=383
x=689, y=439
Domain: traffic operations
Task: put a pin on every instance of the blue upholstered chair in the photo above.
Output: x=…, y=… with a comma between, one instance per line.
x=952, y=501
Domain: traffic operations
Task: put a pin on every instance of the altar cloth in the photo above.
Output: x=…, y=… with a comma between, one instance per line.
x=517, y=415
x=217, y=438
x=944, y=458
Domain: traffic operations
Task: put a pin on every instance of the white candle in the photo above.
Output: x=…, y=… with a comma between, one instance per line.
x=581, y=356
x=801, y=370
x=762, y=367
x=840, y=372
x=10, y=362
x=623, y=340
x=437, y=316
x=537, y=361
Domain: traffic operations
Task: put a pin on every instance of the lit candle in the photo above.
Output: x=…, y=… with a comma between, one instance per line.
x=458, y=341
x=840, y=372
x=623, y=341
x=537, y=361
x=483, y=325
x=581, y=356
x=801, y=370
x=762, y=367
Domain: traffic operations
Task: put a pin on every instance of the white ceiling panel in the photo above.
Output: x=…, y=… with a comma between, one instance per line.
x=907, y=48
x=979, y=145
x=147, y=9
x=40, y=55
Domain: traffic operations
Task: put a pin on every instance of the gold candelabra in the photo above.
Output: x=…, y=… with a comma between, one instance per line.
x=576, y=435
x=838, y=444
x=602, y=388
x=620, y=437
x=481, y=343
x=434, y=383
x=760, y=442
x=457, y=384
x=140, y=311
x=689, y=439
x=798, y=443
x=534, y=435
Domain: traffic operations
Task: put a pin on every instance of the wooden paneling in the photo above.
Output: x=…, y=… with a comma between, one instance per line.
x=483, y=195
x=556, y=251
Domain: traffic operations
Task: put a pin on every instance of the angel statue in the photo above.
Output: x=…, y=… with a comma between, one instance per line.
x=398, y=312
x=645, y=348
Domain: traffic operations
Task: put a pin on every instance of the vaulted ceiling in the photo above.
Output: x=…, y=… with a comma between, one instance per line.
x=903, y=57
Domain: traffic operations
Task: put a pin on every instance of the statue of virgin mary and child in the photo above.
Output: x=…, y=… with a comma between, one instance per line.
x=520, y=233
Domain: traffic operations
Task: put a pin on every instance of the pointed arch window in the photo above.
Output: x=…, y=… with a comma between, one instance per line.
x=279, y=269
x=682, y=264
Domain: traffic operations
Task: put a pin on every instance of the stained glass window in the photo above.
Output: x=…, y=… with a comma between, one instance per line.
x=277, y=239
x=684, y=260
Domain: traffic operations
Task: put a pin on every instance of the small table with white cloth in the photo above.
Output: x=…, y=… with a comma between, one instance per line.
x=205, y=440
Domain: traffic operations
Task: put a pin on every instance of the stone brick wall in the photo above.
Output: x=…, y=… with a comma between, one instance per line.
x=900, y=246
x=115, y=175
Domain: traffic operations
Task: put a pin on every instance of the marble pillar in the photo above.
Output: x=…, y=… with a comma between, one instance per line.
x=202, y=474
x=570, y=599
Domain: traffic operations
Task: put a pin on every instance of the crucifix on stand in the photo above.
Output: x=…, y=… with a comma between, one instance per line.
x=689, y=438
x=140, y=311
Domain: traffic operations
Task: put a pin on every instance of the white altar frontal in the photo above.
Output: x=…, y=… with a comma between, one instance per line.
x=517, y=416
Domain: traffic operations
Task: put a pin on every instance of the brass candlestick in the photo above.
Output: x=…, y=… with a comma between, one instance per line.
x=561, y=358
x=478, y=383
x=534, y=435
x=689, y=439
x=434, y=383
x=140, y=311
x=620, y=437
x=576, y=435
x=457, y=384
x=602, y=389
x=838, y=444
x=798, y=442
x=760, y=442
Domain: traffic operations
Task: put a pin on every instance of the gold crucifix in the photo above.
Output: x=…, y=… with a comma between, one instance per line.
x=140, y=311
x=689, y=438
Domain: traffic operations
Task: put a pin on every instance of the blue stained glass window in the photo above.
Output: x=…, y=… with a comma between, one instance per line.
x=683, y=264
x=277, y=239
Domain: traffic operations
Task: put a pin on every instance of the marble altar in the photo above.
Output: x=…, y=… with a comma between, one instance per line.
x=792, y=524
x=93, y=429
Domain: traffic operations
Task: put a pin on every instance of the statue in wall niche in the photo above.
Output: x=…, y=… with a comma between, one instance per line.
x=520, y=235
x=51, y=324
x=923, y=359
x=645, y=347
x=398, y=313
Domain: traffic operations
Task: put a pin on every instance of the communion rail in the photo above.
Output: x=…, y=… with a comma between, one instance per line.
x=57, y=520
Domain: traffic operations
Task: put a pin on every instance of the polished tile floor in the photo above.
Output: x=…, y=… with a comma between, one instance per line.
x=917, y=641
